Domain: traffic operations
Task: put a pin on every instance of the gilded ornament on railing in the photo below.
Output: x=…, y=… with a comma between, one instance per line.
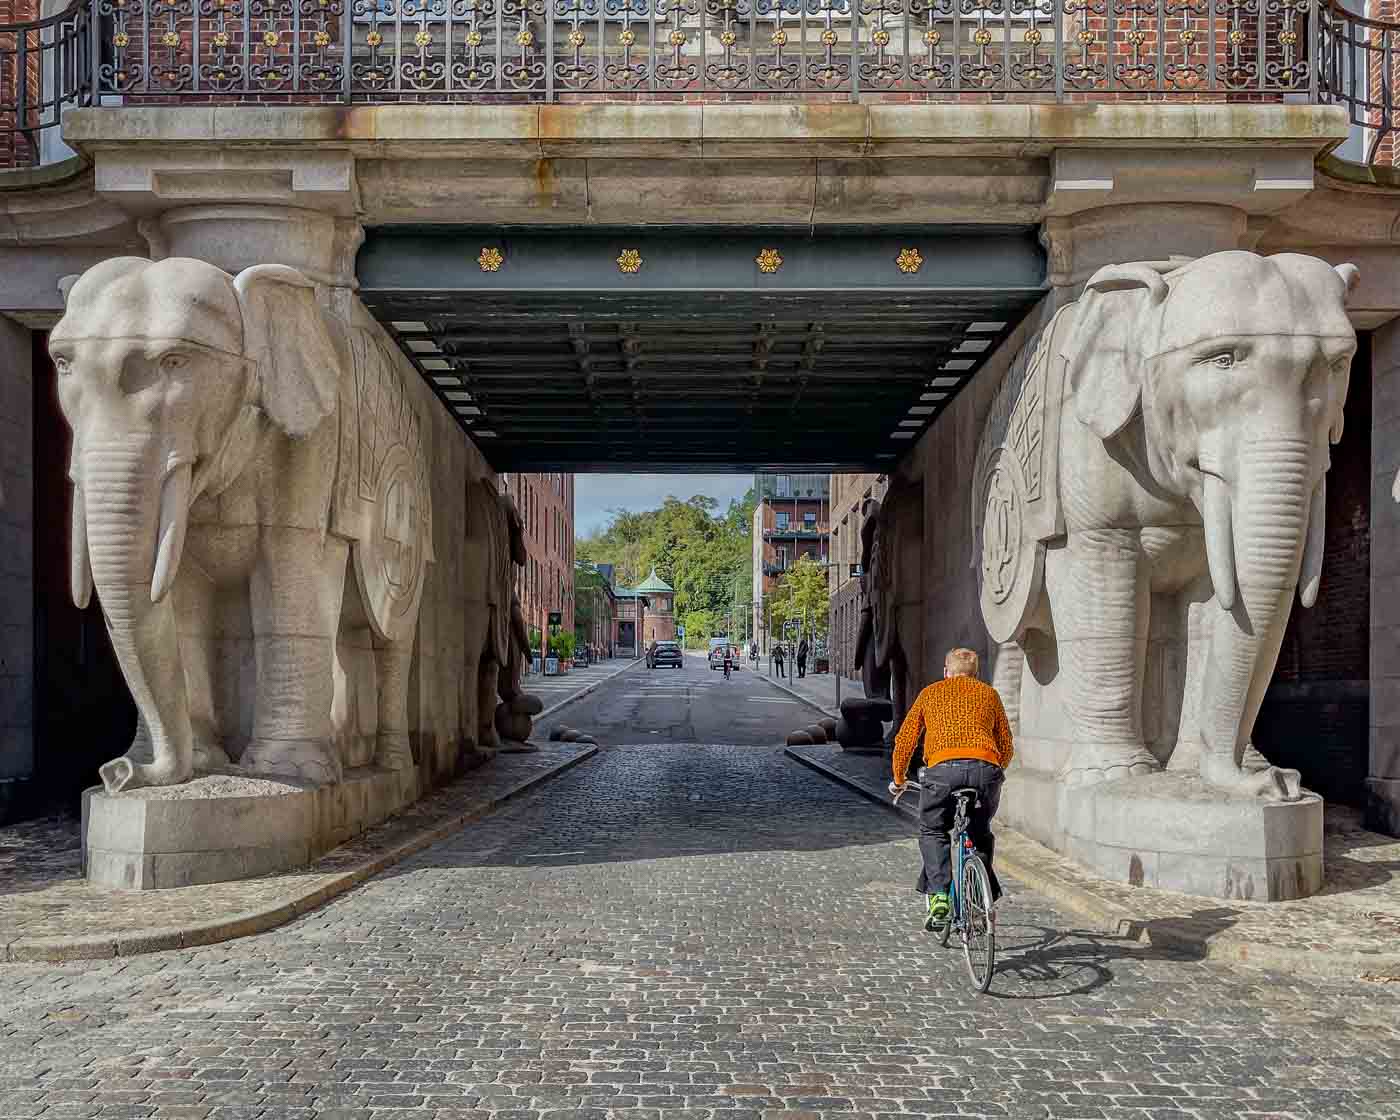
x=982, y=37
x=770, y=260
x=1188, y=37
x=780, y=38
x=881, y=38
x=627, y=37
x=271, y=38
x=728, y=38
x=933, y=36
x=677, y=38
x=170, y=39
x=1288, y=38
x=321, y=38
x=909, y=260
x=1034, y=37
x=422, y=39
x=374, y=38
x=828, y=37
x=490, y=259
x=629, y=260
x=525, y=38
x=474, y=38
x=121, y=39
x=577, y=38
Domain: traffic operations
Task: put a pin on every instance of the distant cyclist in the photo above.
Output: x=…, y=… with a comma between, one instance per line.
x=967, y=745
x=728, y=660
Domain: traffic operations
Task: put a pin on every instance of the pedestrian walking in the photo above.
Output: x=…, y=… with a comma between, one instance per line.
x=802, y=651
x=778, y=656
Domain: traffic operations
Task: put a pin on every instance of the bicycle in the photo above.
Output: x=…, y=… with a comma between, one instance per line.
x=971, y=912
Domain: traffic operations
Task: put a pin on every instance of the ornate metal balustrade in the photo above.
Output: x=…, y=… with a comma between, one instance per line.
x=576, y=50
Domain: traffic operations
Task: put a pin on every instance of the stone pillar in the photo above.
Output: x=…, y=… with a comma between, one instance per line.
x=1383, y=779
x=16, y=564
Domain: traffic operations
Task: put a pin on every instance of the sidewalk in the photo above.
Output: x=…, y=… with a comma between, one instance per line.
x=558, y=690
x=48, y=912
x=817, y=689
x=1351, y=929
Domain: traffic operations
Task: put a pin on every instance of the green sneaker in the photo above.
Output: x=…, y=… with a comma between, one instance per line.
x=937, y=911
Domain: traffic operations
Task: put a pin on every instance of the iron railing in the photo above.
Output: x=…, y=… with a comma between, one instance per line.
x=307, y=51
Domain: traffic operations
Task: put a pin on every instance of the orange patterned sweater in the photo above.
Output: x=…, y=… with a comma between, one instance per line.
x=959, y=717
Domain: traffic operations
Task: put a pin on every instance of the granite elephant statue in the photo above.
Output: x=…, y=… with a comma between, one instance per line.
x=236, y=450
x=497, y=639
x=888, y=640
x=1155, y=464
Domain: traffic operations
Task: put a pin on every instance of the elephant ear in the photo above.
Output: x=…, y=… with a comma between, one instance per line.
x=1105, y=350
x=285, y=334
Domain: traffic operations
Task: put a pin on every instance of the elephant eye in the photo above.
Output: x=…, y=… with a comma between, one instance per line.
x=1223, y=360
x=171, y=362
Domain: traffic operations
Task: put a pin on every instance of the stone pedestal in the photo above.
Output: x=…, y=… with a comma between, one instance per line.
x=1172, y=831
x=223, y=826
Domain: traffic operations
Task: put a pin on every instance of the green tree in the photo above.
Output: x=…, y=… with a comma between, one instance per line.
x=801, y=595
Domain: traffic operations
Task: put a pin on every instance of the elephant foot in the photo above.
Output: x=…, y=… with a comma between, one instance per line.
x=1089, y=765
x=306, y=760
x=393, y=751
x=1272, y=783
x=489, y=738
x=210, y=757
x=123, y=773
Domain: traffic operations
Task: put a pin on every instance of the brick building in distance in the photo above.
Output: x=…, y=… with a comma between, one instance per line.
x=791, y=519
x=848, y=495
x=546, y=583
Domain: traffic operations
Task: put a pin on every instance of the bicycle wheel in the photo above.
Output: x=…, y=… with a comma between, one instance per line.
x=978, y=930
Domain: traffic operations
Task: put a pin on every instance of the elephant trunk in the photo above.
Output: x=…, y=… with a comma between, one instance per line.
x=1254, y=538
x=132, y=535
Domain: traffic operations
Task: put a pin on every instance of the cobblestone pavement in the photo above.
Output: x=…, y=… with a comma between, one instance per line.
x=677, y=932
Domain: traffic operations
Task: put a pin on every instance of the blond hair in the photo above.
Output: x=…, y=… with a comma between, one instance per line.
x=961, y=662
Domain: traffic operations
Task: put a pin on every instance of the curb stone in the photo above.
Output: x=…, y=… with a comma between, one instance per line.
x=1032, y=864
x=316, y=891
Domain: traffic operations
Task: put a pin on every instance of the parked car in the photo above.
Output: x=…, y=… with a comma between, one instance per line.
x=667, y=655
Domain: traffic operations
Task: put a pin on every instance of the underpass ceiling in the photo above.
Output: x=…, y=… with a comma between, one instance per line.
x=560, y=359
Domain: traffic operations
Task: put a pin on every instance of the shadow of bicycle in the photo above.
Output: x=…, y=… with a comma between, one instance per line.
x=1040, y=962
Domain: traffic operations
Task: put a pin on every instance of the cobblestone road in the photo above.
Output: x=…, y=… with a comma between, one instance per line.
x=679, y=932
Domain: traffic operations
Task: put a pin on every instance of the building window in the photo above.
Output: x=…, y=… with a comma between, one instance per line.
x=782, y=559
x=783, y=486
x=782, y=518
x=809, y=521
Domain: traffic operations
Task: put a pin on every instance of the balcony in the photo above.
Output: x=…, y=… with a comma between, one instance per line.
x=794, y=532
x=380, y=51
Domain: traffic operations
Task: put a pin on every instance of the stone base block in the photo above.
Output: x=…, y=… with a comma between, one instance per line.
x=1174, y=832
x=226, y=826
x=1383, y=805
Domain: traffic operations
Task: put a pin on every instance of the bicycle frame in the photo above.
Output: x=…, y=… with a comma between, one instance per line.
x=960, y=845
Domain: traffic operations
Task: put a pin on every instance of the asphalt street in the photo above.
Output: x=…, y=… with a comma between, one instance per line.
x=689, y=926
x=693, y=704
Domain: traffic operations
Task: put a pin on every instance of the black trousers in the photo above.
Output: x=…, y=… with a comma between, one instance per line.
x=802, y=666
x=936, y=810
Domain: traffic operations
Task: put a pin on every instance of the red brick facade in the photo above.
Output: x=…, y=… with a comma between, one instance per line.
x=546, y=505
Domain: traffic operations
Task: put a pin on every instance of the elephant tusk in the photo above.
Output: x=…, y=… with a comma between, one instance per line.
x=1220, y=540
x=170, y=537
x=1314, y=545
x=80, y=563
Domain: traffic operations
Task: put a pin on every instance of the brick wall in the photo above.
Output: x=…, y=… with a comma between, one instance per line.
x=1387, y=11
x=16, y=561
x=1314, y=716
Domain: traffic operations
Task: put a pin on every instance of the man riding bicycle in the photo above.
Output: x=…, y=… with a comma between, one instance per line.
x=967, y=745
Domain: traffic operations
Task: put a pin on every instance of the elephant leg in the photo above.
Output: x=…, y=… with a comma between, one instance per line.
x=197, y=609
x=1200, y=610
x=472, y=665
x=297, y=588
x=898, y=668
x=393, y=747
x=1101, y=599
x=486, y=700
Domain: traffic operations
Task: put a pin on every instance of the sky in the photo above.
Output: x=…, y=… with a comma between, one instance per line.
x=596, y=494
